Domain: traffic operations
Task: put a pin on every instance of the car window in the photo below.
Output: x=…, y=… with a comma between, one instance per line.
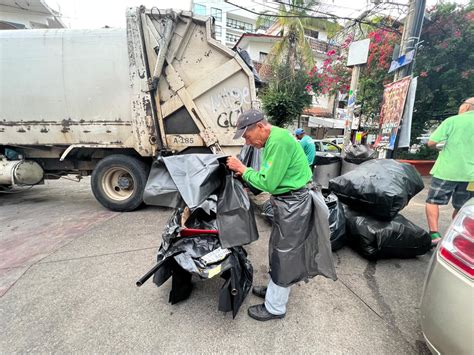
x=330, y=147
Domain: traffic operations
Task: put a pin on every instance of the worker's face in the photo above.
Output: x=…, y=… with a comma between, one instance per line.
x=299, y=136
x=254, y=135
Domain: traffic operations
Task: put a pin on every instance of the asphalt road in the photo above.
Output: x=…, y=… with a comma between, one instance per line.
x=67, y=283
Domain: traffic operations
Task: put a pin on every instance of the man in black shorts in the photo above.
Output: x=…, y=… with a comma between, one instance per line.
x=453, y=172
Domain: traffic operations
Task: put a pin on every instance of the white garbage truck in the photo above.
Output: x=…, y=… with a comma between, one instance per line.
x=106, y=102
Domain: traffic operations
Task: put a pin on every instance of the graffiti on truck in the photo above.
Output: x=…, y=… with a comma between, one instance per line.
x=228, y=104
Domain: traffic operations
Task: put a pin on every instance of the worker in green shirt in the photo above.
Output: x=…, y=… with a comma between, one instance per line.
x=307, y=144
x=453, y=172
x=299, y=246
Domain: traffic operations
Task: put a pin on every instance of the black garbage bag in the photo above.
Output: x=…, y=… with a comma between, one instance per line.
x=160, y=189
x=337, y=221
x=267, y=211
x=251, y=157
x=181, y=257
x=238, y=282
x=190, y=178
x=375, y=239
x=359, y=153
x=300, y=247
x=235, y=217
x=379, y=187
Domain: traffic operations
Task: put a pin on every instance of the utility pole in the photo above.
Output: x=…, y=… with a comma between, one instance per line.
x=352, y=94
x=351, y=105
x=411, y=34
x=410, y=38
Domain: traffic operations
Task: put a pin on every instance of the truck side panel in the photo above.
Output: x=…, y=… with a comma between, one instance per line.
x=70, y=87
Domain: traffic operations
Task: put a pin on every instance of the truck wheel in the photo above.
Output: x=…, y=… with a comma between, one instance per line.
x=118, y=182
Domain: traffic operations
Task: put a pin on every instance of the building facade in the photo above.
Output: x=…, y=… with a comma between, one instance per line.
x=230, y=21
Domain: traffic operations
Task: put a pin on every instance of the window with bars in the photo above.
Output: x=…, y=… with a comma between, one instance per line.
x=239, y=25
x=230, y=37
x=218, y=31
x=217, y=14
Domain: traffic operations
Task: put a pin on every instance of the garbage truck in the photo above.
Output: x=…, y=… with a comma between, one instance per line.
x=106, y=102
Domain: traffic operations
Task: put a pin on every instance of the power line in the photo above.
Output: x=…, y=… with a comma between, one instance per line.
x=328, y=17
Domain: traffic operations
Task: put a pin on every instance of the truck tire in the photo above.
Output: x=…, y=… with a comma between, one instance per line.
x=118, y=182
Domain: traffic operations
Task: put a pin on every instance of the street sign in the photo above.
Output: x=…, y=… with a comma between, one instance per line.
x=402, y=61
x=358, y=52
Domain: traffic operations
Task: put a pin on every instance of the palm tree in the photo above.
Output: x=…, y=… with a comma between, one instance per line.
x=294, y=49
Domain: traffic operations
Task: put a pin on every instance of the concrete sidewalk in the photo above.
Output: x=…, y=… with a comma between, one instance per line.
x=82, y=296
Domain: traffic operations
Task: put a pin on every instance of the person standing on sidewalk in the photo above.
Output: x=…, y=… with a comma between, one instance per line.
x=299, y=246
x=453, y=172
x=308, y=146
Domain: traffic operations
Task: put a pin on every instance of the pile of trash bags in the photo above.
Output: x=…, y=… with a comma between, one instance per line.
x=213, y=219
x=375, y=193
x=364, y=206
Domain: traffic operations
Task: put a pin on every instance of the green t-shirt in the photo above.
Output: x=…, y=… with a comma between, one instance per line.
x=456, y=161
x=308, y=148
x=284, y=166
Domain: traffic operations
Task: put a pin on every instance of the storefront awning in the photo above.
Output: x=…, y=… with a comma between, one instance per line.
x=325, y=122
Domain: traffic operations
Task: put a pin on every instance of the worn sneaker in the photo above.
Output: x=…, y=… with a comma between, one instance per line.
x=435, y=238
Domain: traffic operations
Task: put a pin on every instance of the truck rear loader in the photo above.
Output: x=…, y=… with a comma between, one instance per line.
x=106, y=102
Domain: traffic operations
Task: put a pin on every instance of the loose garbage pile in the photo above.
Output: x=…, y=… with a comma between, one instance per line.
x=204, y=237
x=364, y=206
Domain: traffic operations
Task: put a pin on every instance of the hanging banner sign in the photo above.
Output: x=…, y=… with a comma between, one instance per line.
x=393, y=103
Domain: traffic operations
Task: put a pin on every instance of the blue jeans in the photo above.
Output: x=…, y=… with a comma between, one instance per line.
x=276, y=298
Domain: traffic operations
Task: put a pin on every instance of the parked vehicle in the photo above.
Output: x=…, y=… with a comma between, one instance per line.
x=106, y=102
x=326, y=146
x=339, y=141
x=447, y=315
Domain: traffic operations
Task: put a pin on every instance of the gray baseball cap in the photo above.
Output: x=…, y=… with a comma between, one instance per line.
x=247, y=119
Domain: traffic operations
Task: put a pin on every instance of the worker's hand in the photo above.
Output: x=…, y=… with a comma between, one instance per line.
x=236, y=165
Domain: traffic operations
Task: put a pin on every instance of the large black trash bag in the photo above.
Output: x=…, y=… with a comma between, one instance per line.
x=300, y=247
x=337, y=222
x=181, y=257
x=188, y=178
x=359, y=153
x=375, y=239
x=235, y=217
x=160, y=189
x=251, y=157
x=380, y=187
x=238, y=282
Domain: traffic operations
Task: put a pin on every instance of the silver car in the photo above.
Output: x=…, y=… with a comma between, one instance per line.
x=447, y=305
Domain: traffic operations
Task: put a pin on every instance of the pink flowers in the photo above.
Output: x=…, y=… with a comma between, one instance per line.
x=424, y=74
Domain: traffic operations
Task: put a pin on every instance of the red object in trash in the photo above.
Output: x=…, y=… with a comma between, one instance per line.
x=189, y=232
